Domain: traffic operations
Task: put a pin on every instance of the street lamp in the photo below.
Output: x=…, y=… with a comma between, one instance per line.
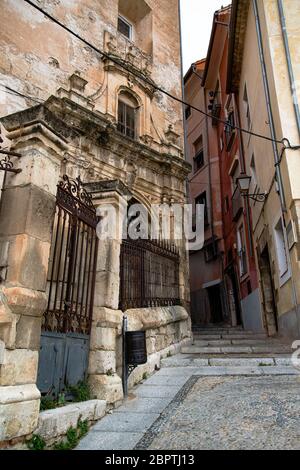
x=243, y=183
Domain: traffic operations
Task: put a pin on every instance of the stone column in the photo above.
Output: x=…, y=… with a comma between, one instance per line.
x=107, y=319
x=26, y=219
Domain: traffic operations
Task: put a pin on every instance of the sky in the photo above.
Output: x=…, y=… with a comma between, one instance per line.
x=196, y=22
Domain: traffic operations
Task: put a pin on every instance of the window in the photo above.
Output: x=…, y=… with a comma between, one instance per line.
x=247, y=109
x=135, y=22
x=215, y=104
x=281, y=249
x=229, y=130
x=188, y=112
x=124, y=27
x=242, y=253
x=210, y=251
x=199, y=154
x=253, y=172
x=234, y=174
x=127, y=115
x=201, y=199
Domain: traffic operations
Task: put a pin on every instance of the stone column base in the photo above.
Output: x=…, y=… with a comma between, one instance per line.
x=19, y=411
x=106, y=387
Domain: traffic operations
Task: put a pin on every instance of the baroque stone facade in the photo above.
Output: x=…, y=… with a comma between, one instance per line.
x=62, y=115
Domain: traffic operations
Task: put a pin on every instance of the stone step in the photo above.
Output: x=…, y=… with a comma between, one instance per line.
x=222, y=331
x=271, y=349
x=225, y=330
x=230, y=336
x=181, y=360
x=234, y=342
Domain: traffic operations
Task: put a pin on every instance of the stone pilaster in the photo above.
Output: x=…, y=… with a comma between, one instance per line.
x=26, y=219
x=110, y=200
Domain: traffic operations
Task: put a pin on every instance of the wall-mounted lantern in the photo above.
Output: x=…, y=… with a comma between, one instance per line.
x=243, y=182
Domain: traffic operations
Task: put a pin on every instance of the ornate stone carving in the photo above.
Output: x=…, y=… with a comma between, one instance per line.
x=77, y=82
x=171, y=136
x=121, y=47
x=131, y=173
x=5, y=143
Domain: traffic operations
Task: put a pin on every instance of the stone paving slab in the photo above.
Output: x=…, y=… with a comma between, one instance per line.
x=158, y=379
x=208, y=350
x=212, y=342
x=235, y=370
x=177, y=371
x=127, y=422
x=144, y=405
x=201, y=350
x=281, y=370
x=217, y=350
x=206, y=337
x=271, y=349
x=252, y=342
x=236, y=349
x=242, y=361
x=109, y=440
x=157, y=391
x=283, y=361
x=181, y=360
x=246, y=336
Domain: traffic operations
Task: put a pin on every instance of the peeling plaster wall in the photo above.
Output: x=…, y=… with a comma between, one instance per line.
x=37, y=56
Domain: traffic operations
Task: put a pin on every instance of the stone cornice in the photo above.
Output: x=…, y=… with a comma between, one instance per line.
x=238, y=26
x=69, y=121
x=108, y=186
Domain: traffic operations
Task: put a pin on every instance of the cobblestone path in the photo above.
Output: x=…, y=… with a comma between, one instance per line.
x=210, y=400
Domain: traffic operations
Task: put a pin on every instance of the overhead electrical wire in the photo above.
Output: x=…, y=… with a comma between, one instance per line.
x=285, y=142
x=11, y=91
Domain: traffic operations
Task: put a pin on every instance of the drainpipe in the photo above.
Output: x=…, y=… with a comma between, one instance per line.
x=289, y=63
x=269, y=108
x=243, y=170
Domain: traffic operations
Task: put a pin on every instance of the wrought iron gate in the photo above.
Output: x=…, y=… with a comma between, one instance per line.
x=149, y=274
x=67, y=321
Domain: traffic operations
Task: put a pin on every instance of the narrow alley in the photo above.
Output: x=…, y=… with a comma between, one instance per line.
x=231, y=389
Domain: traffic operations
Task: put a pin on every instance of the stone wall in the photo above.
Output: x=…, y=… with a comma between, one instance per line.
x=41, y=57
x=167, y=328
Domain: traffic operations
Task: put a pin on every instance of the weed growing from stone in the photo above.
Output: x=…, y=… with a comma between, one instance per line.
x=36, y=443
x=81, y=391
x=73, y=436
x=75, y=393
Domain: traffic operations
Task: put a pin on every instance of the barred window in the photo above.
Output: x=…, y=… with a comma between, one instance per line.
x=127, y=115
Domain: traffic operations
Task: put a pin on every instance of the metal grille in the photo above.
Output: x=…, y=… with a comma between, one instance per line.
x=149, y=274
x=72, y=266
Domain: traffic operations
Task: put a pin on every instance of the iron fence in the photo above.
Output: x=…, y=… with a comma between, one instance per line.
x=149, y=274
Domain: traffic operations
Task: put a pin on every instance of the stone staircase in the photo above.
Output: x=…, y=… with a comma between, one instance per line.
x=234, y=351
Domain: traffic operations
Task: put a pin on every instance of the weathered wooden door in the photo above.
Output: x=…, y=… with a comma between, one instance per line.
x=66, y=323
